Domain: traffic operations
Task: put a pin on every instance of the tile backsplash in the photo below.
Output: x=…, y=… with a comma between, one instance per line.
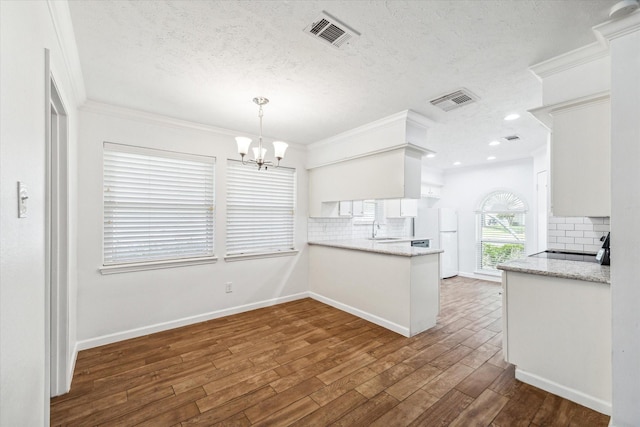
x=348, y=228
x=576, y=233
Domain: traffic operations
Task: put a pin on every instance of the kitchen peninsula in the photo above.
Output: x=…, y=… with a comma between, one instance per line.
x=557, y=327
x=392, y=284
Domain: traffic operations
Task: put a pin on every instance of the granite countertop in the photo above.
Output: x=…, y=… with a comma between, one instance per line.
x=578, y=270
x=401, y=247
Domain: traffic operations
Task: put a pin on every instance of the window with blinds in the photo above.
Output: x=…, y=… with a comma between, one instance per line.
x=501, y=229
x=260, y=209
x=368, y=213
x=158, y=205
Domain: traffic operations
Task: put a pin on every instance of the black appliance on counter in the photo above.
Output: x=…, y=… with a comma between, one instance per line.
x=604, y=253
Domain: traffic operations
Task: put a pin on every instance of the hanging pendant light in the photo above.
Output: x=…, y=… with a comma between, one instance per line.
x=259, y=152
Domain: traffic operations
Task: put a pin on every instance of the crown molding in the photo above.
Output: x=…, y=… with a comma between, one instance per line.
x=407, y=147
x=613, y=29
x=406, y=116
x=120, y=112
x=63, y=27
x=571, y=59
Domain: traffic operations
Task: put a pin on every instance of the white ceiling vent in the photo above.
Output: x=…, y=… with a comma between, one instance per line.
x=511, y=138
x=331, y=31
x=454, y=100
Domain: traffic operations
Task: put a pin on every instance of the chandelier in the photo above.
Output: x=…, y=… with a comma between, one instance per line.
x=259, y=152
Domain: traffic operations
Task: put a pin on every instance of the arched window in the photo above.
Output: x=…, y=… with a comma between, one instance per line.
x=501, y=229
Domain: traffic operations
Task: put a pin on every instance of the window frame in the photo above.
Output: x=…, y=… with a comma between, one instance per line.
x=259, y=251
x=480, y=225
x=156, y=155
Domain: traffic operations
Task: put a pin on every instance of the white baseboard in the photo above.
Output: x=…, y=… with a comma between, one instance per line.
x=486, y=277
x=362, y=314
x=576, y=396
x=159, y=327
x=72, y=367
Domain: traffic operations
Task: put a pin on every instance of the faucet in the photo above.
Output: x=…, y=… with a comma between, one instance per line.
x=373, y=229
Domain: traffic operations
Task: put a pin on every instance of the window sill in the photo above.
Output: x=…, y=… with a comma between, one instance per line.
x=259, y=255
x=154, y=265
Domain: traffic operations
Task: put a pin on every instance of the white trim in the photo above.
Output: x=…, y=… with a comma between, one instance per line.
x=72, y=366
x=568, y=393
x=407, y=146
x=155, y=265
x=91, y=106
x=164, y=326
x=259, y=255
x=616, y=28
x=63, y=26
x=544, y=114
x=407, y=115
x=569, y=60
x=481, y=276
x=362, y=314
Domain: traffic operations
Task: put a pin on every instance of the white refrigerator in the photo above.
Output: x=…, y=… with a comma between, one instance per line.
x=441, y=225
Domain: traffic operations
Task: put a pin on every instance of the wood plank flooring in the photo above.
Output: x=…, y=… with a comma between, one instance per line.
x=304, y=363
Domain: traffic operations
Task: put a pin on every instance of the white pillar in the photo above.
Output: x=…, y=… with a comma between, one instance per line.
x=623, y=37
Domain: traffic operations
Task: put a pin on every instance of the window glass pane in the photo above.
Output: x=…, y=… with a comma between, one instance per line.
x=158, y=205
x=260, y=208
x=501, y=229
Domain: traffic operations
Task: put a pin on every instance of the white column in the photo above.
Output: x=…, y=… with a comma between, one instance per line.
x=624, y=41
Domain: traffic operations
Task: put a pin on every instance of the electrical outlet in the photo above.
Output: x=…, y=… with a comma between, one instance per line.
x=228, y=288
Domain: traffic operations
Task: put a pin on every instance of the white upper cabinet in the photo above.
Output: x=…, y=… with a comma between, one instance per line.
x=345, y=208
x=431, y=191
x=580, y=155
x=400, y=208
x=358, y=208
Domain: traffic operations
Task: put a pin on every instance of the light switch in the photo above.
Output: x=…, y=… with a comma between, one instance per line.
x=23, y=196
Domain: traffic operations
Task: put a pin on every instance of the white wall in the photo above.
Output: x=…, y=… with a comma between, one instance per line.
x=625, y=228
x=26, y=30
x=118, y=306
x=465, y=189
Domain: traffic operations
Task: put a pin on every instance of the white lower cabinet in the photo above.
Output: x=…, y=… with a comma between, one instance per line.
x=557, y=332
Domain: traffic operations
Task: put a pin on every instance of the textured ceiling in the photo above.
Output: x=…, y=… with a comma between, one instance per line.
x=204, y=61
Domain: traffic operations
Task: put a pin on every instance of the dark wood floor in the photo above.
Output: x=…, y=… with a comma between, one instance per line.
x=305, y=363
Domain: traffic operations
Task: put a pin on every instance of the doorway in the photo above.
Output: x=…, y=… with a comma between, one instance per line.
x=56, y=239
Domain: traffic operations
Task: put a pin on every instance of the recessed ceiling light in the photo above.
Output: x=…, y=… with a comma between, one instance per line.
x=491, y=158
x=512, y=116
x=431, y=155
x=494, y=143
x=456, y=163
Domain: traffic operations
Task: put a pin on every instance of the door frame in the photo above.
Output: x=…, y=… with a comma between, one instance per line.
x=57, y=344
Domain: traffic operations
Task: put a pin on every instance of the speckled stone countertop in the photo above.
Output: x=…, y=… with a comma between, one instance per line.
x=400, y=248
x=578, y=270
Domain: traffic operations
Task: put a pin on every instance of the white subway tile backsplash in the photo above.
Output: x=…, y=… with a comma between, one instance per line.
x=557, y=220
x=345, y=228
x=574, y=220
x=584, y=227
x=584, y=241
x=572, y=247
x=575, y=233
x=595, y=220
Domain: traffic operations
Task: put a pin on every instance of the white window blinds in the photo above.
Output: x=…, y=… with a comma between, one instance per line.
x=260, y=209
x=158, y=205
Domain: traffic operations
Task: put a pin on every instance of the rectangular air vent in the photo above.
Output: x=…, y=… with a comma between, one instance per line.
x=331, y=31
x=511, y=138
x=454, y=100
